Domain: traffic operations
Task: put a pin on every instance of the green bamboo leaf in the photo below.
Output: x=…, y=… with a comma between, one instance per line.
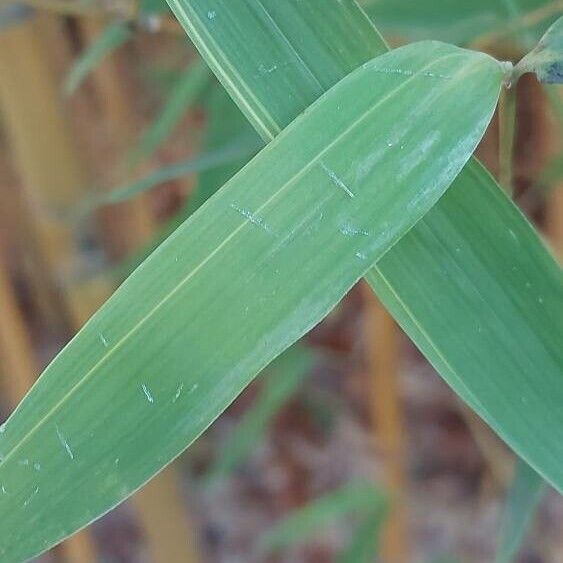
x=525, y=493
x=472, y=284
x=113, y=36
x=458, y=22
x=546, y=60
x=240, y=281
x=280, y=383
x=151, y=7
x=226, y=125
x=188, y=88
x=364, y=545
x=358, y=497
x=233, y=152
x=230, y=142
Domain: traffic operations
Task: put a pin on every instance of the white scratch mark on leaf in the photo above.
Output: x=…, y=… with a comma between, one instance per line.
x=30, y=498
x=254, y=219
x=178, y=392
x=337, y=181
x=349, y=230
x=147, y=393
x=64, y=443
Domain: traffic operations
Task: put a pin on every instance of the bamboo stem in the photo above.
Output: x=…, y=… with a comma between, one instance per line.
x=20, y=371
x=53, y=179
x=169, y=532
x=159, y=506
x=554, y=210
x=382, y=336
x=507, y=135
x=131, y=224
x=50, y=172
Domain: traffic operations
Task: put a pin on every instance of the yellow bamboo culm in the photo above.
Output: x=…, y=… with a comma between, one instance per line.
x=18, y=365
x=49, y=169
x=131, y=224
x=20, y=370
x=382, y=342
x=168, y=530
x=161, y=511
x=54, y=179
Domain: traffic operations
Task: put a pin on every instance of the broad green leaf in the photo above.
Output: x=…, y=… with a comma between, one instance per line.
x=523, y=498
x=279, y=384
x=358, y=498
x=472, y=284
x=546, y=60
x=113, y=36
x=256, y=267
x=189, y=87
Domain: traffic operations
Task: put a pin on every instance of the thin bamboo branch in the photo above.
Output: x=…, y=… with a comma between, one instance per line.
x=382, y=341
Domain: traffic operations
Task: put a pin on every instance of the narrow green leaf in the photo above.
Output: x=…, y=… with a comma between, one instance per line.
x=455, y=21
x=226, y=125
x=237, y=149
x=525, y=493
x=281, y=381
x=364, y=545
x=359, y=498
x=188, y=88
x=150, y=7
x=546, y=60
x=472, y=284
x=113, y=36
x=239, y=282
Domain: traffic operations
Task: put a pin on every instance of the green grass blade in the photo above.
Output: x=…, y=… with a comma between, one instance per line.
x=483, y=304
x=356, y=497
x=239, y=282
x=458, y=22
x=226, y=124
x=233, y=152
x=524, y=495
x=187, y=90
x=281, y=381
x=364, y=545
x=113, y=36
